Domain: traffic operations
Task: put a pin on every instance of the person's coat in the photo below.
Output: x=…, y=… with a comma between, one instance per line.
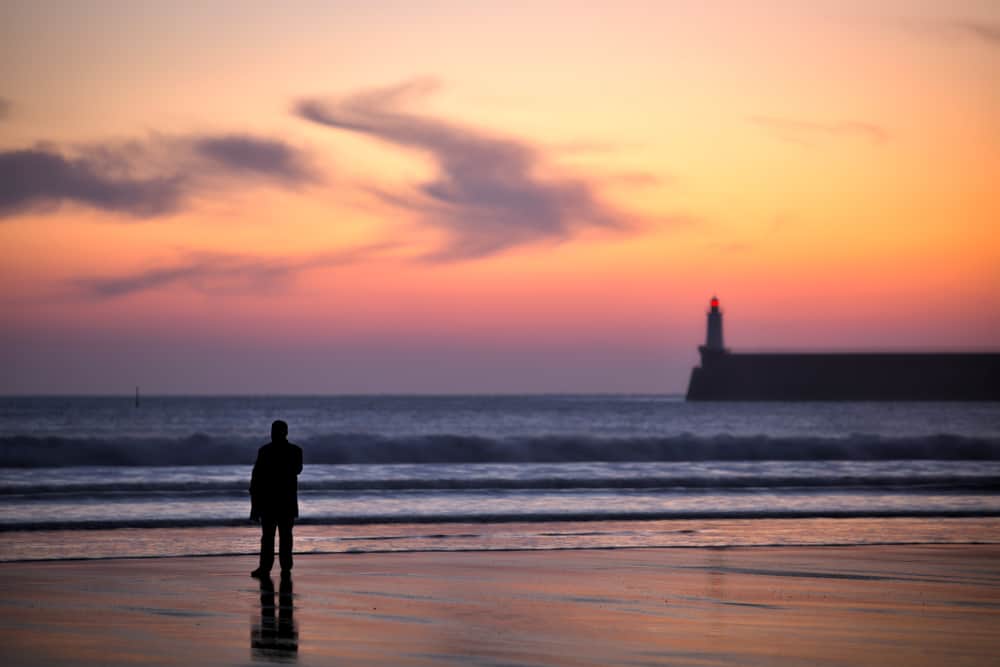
x=274, y=493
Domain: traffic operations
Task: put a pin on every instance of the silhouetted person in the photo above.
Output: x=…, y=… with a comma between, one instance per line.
x=274, y=497
x=275, y=638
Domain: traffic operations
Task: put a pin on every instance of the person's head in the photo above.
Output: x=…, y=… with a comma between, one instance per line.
x=279, y=431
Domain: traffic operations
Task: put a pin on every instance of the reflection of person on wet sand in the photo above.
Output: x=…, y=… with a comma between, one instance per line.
x=274, y=497
x=275, y=638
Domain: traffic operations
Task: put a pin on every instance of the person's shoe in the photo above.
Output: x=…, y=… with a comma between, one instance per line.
x=259, y=573
x=286, y=574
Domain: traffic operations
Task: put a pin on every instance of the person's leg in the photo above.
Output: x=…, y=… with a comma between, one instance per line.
x=267, y=527
x=285, y=549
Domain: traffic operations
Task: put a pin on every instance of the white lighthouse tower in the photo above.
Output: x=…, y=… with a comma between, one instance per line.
x=705, y=379
x=713, y=341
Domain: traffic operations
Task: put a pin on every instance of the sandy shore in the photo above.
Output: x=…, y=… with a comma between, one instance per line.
x=931, y=605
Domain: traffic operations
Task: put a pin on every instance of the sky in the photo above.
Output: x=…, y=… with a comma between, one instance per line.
x=438, y=197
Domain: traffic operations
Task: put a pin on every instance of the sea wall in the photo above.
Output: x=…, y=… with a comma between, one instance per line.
x=730, y=376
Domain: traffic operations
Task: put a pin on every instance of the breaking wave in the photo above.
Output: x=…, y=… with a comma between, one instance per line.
x=918, y=483
x=22, y=451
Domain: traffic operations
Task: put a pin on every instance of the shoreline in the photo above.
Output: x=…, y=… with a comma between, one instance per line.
x=860, y=605
x=528, y=518
x=503, y=550
x=120, y=543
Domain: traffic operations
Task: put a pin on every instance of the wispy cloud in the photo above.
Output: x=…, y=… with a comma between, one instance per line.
x=4, y=107
x=223, y=273
x=266, y=157
x=143, y=179
x=490, y=193
x=986, y=31
x=39, y=177
x=954, y=30
x=808, y=132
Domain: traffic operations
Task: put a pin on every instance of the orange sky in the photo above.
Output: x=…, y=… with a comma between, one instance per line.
x=440, y=197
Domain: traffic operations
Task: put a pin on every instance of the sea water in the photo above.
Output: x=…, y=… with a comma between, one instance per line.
x=100, y=476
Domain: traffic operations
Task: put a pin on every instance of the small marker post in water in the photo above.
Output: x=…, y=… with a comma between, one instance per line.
x=137, y=396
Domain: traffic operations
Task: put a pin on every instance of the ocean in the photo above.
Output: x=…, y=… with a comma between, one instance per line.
x=98, y=477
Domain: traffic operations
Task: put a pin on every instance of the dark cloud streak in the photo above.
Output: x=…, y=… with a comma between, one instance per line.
x=38, y=177
x=223, y=273
x=489, y=193
x=143, y=179
x=267, y=157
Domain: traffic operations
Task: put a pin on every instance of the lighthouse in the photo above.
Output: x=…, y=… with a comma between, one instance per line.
x=839, y=376
x=714, y=358
x=713, y=340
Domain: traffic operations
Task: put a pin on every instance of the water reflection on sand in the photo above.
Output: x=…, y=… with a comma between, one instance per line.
x=274, y=637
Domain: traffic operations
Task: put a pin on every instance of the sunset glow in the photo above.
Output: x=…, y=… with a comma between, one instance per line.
x=440, y=197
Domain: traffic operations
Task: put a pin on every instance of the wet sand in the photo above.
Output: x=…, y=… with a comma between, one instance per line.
x=876, y=605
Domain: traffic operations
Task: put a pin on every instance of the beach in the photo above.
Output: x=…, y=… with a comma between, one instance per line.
x=857, y=605
x=503, y=530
